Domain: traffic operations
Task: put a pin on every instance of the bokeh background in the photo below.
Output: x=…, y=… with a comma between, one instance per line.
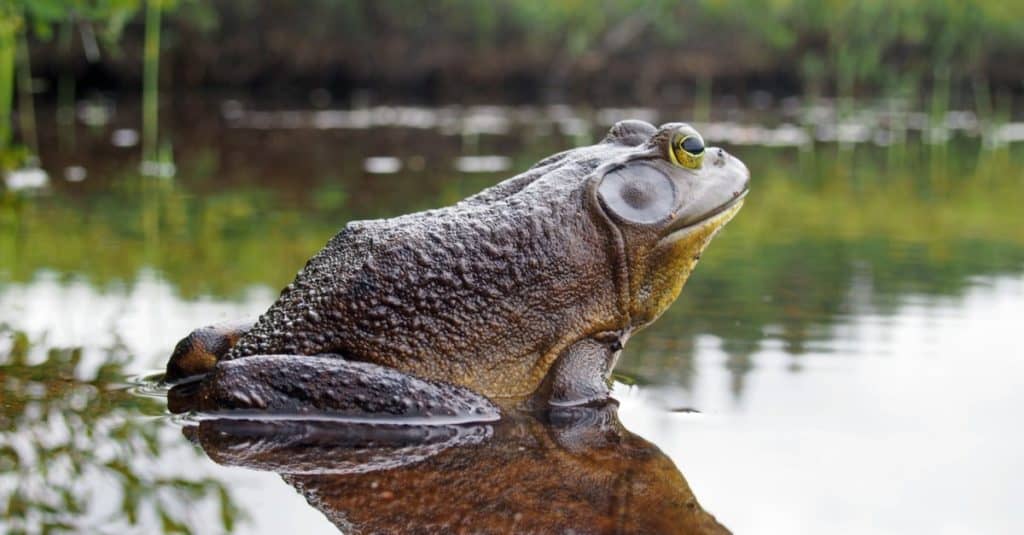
x=850, y=340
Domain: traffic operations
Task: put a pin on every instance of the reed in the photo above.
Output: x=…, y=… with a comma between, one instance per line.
x=150, y=84
x=26, y=98
x=9, y=27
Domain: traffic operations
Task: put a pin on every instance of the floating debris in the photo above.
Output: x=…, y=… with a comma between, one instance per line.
x=124, y=137
x=486, y=120
x=75, y=173
x=158, y=169
x=962, y=120
x=822, y=122
x=610, y=116
x=938, y=135
x=232, y=110
x=574, y=126
x=382, y=165
x=1009, y=133
x=331, y=119
x=785, y=135
x=29, y=178
x=482, y=164
x=853, y=132
x=356, y=119
x=95, y=113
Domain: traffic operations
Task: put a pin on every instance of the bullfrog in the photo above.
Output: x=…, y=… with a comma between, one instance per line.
x=528, y=289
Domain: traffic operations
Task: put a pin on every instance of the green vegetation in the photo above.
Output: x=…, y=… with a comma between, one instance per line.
x=19, y=18
x=927, y=54
x=57, y=479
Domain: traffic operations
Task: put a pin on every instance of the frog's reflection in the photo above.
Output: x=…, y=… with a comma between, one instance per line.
x=574, y=470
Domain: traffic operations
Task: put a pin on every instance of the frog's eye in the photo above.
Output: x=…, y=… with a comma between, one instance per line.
x=687, y=150
x=638, y=194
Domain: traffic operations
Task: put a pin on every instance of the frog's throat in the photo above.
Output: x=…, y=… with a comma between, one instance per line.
x=678, y=255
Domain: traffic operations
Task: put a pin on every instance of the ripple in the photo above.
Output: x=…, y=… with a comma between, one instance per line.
x=149, y=384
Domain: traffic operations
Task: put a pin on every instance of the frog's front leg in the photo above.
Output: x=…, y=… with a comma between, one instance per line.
x=198, y=353
x=582, y=373
x=298, y=385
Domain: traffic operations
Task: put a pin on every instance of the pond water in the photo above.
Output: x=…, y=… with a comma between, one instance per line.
x=845, y=359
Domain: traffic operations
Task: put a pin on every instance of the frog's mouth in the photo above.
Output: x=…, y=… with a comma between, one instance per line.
x=709, y=221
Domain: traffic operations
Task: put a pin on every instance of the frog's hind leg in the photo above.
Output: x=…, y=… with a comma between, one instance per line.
x=295, y=385
x=198, y=353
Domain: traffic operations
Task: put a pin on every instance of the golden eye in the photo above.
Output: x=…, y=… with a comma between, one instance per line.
x=687, y=150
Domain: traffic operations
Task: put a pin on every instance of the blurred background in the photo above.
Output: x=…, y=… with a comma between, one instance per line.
x=850, y=341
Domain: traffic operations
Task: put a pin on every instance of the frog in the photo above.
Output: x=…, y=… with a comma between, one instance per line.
x=527, y=290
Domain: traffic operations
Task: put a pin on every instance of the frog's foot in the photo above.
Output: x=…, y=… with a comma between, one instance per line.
x=582, y=373
x=300, y=386
x=198, y=353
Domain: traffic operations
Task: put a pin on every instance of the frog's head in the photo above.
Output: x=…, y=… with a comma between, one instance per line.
x=664, y=198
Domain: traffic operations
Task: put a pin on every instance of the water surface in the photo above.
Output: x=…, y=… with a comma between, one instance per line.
x=845, y=359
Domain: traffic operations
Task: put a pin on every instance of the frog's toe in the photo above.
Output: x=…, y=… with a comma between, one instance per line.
x=198, y=353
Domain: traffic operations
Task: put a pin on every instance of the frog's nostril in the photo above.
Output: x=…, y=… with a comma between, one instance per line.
x=719, y=157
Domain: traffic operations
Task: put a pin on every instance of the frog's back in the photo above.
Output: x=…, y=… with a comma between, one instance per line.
x=478, y=293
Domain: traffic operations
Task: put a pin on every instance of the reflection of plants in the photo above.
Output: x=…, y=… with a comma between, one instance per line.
x=65, y=442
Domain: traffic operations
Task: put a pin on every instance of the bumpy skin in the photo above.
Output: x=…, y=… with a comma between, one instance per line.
x=488, y=293
x=477, y=294
x=285, y=384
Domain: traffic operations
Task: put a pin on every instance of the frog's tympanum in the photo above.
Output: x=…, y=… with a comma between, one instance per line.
x=581, y=472
x=527, y=290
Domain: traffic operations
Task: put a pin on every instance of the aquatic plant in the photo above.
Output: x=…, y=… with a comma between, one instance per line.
x=20, y=18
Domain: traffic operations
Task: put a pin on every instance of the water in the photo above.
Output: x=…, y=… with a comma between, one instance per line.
x=845, y=359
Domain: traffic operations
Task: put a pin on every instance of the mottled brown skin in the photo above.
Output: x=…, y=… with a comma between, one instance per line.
x=580, y=472
x=560, y=264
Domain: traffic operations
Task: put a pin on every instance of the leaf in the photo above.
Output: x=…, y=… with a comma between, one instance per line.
x=47, y=11
x=9, y=458
x=16, y=505
x=169, y=524
x=228, y=511
x=130, y=505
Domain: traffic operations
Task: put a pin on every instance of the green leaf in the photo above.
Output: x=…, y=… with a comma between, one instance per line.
x=169, y=524
x=228, y=511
